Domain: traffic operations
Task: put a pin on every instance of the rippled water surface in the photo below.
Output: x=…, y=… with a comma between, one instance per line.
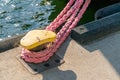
x=18, y=16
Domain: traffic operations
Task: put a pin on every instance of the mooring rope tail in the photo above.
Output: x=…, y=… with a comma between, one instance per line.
x=67, y=7
x=65, y=16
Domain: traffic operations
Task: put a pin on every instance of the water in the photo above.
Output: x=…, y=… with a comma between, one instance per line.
x=19, y=16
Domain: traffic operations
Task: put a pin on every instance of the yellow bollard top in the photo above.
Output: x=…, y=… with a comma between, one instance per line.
x=36, y=38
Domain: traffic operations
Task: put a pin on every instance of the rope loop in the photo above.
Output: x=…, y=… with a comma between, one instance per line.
x=70, y=16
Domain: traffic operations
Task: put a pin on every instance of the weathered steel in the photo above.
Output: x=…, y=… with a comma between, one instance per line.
x=106, y=11
x=96, y=29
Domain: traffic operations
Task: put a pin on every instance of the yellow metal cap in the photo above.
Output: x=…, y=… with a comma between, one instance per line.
x=36, y=38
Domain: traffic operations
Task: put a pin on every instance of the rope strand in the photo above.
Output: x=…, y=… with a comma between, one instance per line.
x=68, y=6
x=65, y=17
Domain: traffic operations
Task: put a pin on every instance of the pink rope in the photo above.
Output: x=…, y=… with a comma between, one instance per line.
x=68, y=6
x=64, y=17
x=74, y=16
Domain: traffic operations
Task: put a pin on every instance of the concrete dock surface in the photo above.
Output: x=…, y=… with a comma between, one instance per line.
x=98, y=60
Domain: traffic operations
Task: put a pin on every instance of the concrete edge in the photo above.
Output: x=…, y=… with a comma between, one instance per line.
x=10, y=43
x=90, y=31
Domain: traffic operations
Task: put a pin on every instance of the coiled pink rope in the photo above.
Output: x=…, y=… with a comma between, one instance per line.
x=72, y=13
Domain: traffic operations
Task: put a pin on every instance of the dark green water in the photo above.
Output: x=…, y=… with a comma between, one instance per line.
x=19, y=16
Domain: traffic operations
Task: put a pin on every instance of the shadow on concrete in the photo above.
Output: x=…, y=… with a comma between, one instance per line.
x=56, y=73
x=110, y=47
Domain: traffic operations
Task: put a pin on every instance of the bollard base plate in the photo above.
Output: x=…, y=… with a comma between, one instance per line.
x=36, y=68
